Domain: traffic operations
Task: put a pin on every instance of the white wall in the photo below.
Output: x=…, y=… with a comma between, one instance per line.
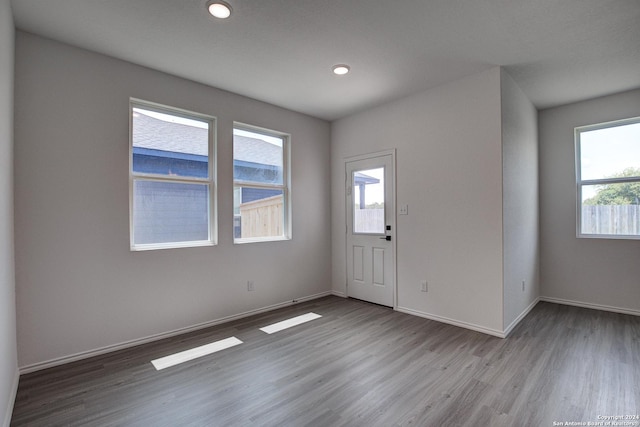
x=8, y=355
x=598, y=272
x=449, y=172
x=520, y=201
x=79, y=288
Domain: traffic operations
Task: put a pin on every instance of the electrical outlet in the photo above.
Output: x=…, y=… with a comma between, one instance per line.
x=424, y=287
x=250, y=286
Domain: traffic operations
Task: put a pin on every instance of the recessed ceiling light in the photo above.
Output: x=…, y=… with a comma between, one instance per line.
x=341, y=69
x=219, y=9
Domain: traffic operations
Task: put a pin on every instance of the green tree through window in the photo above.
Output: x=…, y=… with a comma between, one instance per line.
x=627, y=193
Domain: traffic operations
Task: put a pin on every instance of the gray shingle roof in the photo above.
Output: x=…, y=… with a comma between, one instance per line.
x=256, y=151
x=156, y=134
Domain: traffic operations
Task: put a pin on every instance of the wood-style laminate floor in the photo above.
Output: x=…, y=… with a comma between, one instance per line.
x=358, y=365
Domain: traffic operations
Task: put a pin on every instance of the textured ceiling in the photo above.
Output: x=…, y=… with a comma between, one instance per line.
x=282, y=51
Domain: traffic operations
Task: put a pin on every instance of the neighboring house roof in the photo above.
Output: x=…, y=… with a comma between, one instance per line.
x=155, y=134
x=360, y=178
x=253, y=150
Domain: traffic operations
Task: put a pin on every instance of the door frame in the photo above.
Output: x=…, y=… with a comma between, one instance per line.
x=392, y=216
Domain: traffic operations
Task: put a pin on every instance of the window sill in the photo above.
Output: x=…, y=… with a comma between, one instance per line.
x=173, y=245
x=260, y=239
x=609, y=236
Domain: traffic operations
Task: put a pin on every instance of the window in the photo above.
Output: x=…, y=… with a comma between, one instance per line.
x=171, y=173
x=368, y=200
x=261, y=185
x=608, y=179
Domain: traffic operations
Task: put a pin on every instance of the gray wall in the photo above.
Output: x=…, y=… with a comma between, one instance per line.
x=79, y=288
x=598, y=272
x=449, y=172
x=520, y=200
x=8, y=358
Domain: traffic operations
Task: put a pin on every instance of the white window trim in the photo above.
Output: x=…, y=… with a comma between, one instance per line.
x=285, y=186
x=210, y=182
x=580, y=182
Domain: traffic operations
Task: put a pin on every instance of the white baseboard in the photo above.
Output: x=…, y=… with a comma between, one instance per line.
x=12, y=400
x=591, y=306
x=473, y=327
x=338, y=294
x=522, y=315
x=127, y=344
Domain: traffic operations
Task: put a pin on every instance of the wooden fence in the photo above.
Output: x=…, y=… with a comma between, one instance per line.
x=611, y=219
x=263, y=217
x=368, y=220
x=600, y=219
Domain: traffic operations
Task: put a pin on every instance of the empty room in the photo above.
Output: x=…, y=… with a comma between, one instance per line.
x=319, y=213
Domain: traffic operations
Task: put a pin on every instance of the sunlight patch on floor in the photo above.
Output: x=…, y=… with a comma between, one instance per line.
x=194, y=353
x=294, y=321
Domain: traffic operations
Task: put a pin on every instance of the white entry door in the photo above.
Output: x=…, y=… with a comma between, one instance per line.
x=371, y=228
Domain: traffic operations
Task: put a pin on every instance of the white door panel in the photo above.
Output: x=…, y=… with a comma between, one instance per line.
x=370, y=229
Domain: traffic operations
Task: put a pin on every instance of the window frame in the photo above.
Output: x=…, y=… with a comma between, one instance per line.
x=210, y=181
x=600, y=181
x=285, y=187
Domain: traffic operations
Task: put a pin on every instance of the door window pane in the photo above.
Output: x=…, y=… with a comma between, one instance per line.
x=368, y=201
